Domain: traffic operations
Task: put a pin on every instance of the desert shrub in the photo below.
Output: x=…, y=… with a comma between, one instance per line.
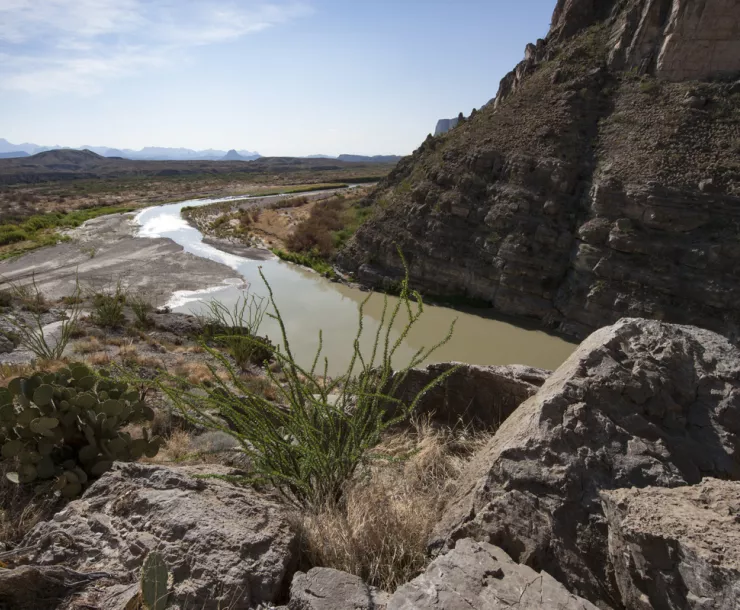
x=108, y=307
x=11, y=235
x=314, y=234
x=236, y=328
x=142, y=307
x=382, y=530
x=312, y=260
x=312, y=447
x=28, y=328
x=68, y=426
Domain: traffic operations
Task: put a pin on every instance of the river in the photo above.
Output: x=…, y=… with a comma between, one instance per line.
x=309, y=302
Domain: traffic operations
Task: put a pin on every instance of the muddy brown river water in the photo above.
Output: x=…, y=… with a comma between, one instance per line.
x=309, y=302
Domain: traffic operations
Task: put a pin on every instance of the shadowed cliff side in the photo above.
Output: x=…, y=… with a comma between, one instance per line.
x=599, y=183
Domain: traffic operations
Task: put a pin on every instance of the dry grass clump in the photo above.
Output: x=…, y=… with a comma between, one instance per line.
x=10, y=371
x=88, y=345
x=195, y=372
x=101, y=358
x=380, y=532
x=23, y=506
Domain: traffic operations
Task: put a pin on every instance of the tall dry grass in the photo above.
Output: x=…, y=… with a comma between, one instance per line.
x=380, y=532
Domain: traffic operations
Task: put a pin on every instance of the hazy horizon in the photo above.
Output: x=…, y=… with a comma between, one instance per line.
x=280, y=77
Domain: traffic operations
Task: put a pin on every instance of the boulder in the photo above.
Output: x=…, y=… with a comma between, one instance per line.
x=481, y=395
x=480, y=575
x=329, y=589
x=41, y=587
x=223, y=545
x=686, y=555
x=639, y=403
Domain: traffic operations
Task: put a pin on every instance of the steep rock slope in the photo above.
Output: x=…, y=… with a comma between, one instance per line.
x=599, y=183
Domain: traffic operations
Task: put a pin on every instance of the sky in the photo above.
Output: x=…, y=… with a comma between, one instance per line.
x=280, y=77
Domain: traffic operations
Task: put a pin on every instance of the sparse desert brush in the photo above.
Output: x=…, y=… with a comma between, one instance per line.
x=101, y=358
x=88, y=345
x=380, y=532
x=194, y=372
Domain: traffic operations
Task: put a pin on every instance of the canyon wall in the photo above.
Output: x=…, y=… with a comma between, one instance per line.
x=599, y=184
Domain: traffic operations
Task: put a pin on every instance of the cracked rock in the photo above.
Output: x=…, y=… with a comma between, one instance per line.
x=480, y=575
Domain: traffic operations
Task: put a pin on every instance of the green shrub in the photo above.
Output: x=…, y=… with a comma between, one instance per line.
x=312, y=260
x=312, y=447
x=12, y=236
x=29, y=328
x=68, y=426
x=142, y=307
x=236, y=328
x=108, y=308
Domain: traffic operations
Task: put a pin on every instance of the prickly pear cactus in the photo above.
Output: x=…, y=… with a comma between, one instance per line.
x=67, y=425
x=154, y=585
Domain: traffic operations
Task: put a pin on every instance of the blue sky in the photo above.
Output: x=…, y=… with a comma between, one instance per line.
x=281, y=77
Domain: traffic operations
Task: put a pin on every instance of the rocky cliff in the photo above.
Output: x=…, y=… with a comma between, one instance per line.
x=599, y=183
x=445, y=125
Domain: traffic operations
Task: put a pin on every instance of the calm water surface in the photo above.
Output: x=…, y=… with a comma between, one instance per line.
x=309, y=302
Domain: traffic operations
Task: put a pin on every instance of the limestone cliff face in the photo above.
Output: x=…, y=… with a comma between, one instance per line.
x=600, y=183
x=444, y=125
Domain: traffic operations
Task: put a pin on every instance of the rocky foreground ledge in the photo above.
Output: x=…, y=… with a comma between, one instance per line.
x=614, y=484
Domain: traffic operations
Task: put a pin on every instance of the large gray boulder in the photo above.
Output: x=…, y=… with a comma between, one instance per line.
x=639, y=403
x=483, y=396
x=480, y=575
x=224, y=545
x=676, y=548
x=329, y=589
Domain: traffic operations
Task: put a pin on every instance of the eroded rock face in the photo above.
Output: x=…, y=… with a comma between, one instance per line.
x=41, y=587
x=586, y=192
x=223, y=545
x=640, y=403
x=480, y=575
x=329, y=589
x=483, y=396
x=676, y=548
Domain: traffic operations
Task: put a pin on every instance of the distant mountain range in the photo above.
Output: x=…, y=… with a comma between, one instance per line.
x=149, y=153
x=360, y=158
x=157, y=153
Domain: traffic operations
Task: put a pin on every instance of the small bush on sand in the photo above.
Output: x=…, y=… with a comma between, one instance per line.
x=108, y=307
x=311, y=448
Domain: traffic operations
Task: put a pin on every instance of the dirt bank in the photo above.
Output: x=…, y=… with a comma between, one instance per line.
x=106, y=250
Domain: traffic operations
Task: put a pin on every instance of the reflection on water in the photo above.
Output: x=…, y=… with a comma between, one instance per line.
x=309, y=302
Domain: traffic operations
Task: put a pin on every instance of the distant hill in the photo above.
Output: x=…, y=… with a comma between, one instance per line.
x=149, y=153
x=365, y=159
x=70, y=164
x=13, y=154
x=232, y=155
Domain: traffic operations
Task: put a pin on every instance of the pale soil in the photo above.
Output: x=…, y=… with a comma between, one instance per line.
x=105, y=251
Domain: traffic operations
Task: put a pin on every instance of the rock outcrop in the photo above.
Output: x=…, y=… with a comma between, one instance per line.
x=599, y=184
x=482, y=396
x=445, y=125
x=676, y=548
x=223, y=545
x=480, y=575
x=329, y=589
x=640, y=403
